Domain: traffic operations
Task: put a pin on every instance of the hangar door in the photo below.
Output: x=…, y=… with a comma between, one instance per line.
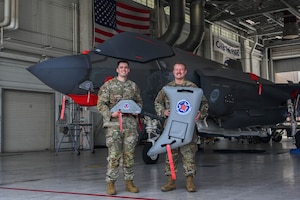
x=286, y=65
x=27, y=121
x=286, y=59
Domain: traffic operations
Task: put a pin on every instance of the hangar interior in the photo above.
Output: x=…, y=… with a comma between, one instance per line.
x=34, y=33
x=265, y=33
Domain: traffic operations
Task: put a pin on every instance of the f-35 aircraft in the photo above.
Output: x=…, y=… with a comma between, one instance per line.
x=240, y=104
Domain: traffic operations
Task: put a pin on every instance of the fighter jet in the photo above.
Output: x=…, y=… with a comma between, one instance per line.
x=240, y=104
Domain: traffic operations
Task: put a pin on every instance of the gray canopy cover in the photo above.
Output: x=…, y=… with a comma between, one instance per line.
x=184, y=106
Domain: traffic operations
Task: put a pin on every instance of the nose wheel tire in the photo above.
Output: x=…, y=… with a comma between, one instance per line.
x=149, y=159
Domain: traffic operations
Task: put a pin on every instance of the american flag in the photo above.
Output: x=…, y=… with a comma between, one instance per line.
x=112, y=17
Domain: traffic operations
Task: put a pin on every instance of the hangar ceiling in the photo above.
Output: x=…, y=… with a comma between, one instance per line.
x=274, y=22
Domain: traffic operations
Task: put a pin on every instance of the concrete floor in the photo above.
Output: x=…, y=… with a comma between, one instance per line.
x=236, y=172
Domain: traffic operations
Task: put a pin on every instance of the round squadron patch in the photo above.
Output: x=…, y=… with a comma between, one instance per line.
x=183, y=107
x=126, y=106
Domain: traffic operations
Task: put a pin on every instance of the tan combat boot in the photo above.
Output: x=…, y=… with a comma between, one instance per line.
x=190, y=184
x=169, y=186
x=111, y=190
x=130, y=187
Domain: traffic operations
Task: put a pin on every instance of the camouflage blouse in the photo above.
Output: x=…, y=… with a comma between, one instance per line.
x=112, y=91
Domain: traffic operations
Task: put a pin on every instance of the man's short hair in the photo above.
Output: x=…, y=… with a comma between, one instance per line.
x=122, y=61
x=180, y=63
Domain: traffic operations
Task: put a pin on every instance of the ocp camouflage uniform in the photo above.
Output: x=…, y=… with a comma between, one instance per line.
x=121, y=144
x=187, y=151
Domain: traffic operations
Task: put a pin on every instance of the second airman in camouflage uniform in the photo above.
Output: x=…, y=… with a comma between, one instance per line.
x=121, y=143
x=162, y=107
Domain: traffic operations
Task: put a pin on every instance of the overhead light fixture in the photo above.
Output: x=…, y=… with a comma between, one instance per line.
x=249, y=21
x=290, y=28
x=247, y=26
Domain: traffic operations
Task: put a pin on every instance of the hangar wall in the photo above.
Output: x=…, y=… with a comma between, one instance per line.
x=45, y=28
x=240, y=48
x=41, y=30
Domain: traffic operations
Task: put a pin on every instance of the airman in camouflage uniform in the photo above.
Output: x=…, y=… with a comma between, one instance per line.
x=121, y=143
x=162, y=107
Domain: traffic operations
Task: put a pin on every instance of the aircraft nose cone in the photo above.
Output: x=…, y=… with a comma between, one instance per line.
x=62, y=74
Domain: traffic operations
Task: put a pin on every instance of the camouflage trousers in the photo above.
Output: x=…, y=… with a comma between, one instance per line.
x=121, y=152
x=187, y=152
